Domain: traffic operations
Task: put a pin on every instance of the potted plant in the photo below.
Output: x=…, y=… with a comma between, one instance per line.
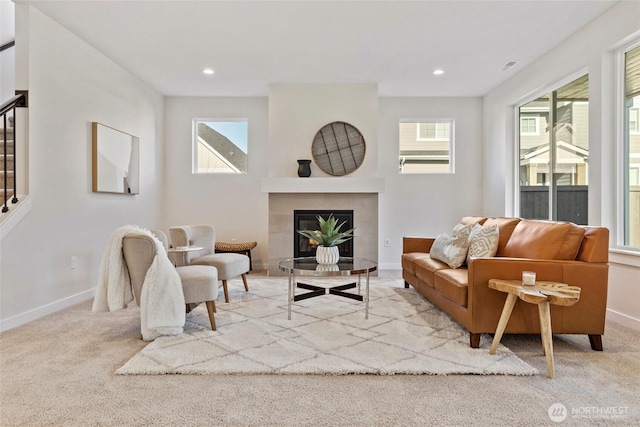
x=327, y=238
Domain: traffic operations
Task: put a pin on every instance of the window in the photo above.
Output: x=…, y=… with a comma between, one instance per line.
x=631, y=148
x=634, y=115
x=529, y=125
x=431, y=131
x=426, y=146
x=554, y=154
x=220, y=146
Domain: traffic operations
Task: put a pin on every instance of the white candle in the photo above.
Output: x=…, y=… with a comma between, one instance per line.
x=529, y=278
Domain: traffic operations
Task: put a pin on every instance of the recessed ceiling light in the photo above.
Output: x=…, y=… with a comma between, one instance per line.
x=438, y=72
x=208, y=71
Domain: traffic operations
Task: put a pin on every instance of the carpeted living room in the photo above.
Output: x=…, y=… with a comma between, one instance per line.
x=73, y=368
x=228, y=110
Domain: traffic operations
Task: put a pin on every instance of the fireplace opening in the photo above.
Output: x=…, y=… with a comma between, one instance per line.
x=307, y=220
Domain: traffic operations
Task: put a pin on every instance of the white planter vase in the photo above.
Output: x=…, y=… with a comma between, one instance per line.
x=327, y=255
x=327, y=267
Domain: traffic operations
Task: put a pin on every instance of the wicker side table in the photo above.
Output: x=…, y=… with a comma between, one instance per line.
x=237, y=248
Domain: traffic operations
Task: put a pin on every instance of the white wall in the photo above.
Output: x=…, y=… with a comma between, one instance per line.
x=232, y=203
x=428, y=204
x=298, y=111
x=7, y=57
x=235, y=204
x=71, y=85
x=588, y=50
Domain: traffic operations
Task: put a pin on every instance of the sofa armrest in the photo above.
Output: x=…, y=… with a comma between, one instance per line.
x=417, y=244
x=592, y=278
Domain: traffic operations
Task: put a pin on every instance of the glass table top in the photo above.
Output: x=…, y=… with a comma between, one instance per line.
x=308, y=266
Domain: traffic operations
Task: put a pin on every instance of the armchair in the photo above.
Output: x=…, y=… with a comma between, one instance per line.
x=229, y=265
x=199, y=283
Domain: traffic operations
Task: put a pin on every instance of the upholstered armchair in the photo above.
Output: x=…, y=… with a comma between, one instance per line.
x=229, y=265
x=199, y=282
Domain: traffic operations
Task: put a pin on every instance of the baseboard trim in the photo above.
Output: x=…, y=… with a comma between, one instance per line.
x=390, y=266
x=623, y=319
x=37, y=313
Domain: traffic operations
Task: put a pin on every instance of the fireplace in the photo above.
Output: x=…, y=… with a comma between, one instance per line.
x=282, y=226
x=307, y=220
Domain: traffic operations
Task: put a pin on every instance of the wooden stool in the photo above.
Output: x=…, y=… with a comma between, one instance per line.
x=542, y=294
x=237, y=248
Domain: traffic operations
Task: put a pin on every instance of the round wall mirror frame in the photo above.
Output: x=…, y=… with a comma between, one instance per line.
x=338, y=148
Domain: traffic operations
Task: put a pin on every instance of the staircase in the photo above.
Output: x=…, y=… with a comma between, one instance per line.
x=11, y=211
x=7, y=165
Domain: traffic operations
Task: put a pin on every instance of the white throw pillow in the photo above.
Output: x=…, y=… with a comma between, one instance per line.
x=452, y=250
x=461, y=230
x=483, y=241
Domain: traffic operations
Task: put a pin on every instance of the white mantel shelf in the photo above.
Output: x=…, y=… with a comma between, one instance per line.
x=323, y=185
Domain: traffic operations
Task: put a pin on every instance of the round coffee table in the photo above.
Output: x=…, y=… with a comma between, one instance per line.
x=308, y=266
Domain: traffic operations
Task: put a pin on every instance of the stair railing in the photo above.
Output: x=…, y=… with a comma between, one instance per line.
x=8, y=45
x=8, y=109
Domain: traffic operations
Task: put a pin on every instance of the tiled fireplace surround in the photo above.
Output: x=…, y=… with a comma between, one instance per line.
x=282, y=205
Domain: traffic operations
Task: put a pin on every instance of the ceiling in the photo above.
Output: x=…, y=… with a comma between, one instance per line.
x=252, y=44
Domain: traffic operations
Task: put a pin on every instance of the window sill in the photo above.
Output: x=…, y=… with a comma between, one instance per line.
x=624, y=257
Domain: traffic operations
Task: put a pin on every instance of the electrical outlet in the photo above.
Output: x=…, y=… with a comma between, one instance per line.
x=387, y=243
x=72, y=264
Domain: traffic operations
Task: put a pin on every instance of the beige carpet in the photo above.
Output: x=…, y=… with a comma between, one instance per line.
x=60, y=371
x=404, y=334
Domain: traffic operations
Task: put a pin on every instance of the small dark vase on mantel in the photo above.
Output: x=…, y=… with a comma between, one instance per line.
x=304, y=168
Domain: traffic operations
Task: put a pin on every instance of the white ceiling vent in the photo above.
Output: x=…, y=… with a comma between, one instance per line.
x=508, y=65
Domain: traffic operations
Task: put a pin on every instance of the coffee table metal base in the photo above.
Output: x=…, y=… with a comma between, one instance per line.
x=308, y=266
x=316, y=291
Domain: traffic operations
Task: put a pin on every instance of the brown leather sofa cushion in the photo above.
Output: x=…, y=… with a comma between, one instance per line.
x=426, y=267
x=454, y=284
x=595, y=245
x=544, y=240
x=506, y=227
x=572, y=242
x=409, y=260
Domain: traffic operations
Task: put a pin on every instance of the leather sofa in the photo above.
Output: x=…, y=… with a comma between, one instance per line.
x=557, y=251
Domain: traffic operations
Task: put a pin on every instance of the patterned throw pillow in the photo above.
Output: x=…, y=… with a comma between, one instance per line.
x=452, y=250
x=461, y=230
x=483, y=241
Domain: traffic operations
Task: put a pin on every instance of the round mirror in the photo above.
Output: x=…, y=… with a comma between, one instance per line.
x=338, y=148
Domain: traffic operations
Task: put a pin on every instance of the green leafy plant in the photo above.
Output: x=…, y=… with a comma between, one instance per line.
x=329, y=233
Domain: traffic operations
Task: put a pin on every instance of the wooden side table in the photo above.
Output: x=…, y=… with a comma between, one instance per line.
x=542, y=294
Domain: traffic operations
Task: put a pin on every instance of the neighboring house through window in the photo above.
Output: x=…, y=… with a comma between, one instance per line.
x=630, y=149
x=220, y=146
x=554, y=154
x=426, y=146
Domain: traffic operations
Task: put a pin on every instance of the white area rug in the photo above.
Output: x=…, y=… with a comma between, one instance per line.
x=405, y=334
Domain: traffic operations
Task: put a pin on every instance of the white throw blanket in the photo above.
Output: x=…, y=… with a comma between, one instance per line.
x=162, y=306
